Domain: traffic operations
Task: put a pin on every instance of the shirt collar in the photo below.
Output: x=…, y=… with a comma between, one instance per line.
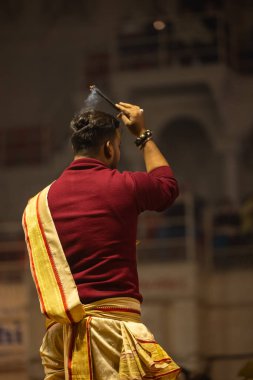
x=86, y=163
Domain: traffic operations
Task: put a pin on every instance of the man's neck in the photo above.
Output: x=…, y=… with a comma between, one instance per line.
x=98, y=158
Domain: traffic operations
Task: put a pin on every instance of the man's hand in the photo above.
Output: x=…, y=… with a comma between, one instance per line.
x=132, y=117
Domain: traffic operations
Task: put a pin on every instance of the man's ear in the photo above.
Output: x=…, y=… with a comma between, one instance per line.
x=108, y=150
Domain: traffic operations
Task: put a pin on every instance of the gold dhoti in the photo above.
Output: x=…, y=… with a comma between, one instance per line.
x=109, y=343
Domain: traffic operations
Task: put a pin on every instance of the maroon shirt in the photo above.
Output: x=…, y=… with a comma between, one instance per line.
x=95, y=211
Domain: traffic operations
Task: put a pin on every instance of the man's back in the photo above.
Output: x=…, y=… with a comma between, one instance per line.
x=95, y=211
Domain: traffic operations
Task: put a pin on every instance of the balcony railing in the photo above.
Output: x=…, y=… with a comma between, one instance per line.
x=191, y=39
x=193, y=231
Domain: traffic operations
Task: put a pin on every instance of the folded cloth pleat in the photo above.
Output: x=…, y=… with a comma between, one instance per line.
x=112, y=343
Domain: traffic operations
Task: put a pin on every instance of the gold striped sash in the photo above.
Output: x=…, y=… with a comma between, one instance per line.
x=57, y=291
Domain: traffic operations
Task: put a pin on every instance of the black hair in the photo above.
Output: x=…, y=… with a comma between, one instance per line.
x=90, y=130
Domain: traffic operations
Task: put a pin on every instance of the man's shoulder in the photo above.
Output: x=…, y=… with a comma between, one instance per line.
x=125, y=177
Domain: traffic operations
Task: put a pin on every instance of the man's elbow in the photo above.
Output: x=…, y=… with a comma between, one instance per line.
x=172, y=192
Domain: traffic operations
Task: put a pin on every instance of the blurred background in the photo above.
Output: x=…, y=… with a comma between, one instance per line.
x=189, y=65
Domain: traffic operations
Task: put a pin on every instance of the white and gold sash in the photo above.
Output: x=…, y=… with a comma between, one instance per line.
x=56, y=288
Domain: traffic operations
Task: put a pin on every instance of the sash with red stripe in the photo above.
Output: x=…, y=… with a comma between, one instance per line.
x=56, y=288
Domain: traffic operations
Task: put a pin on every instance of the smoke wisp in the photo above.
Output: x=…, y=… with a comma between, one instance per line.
x=92, y=101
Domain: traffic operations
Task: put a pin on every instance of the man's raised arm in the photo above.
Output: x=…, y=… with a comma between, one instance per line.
x=132, y=117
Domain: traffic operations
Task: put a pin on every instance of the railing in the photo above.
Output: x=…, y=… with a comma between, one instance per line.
x=187, y=40
x=189, y=230
x=226, y=246
x=170, y=235
x=194, y=232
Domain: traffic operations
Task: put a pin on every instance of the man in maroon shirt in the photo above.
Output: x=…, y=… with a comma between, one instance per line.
x=95, y=210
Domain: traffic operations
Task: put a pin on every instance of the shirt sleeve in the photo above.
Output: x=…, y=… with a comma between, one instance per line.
x=155, y=190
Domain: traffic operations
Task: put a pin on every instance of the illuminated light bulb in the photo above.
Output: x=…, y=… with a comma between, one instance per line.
x=159, y=24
